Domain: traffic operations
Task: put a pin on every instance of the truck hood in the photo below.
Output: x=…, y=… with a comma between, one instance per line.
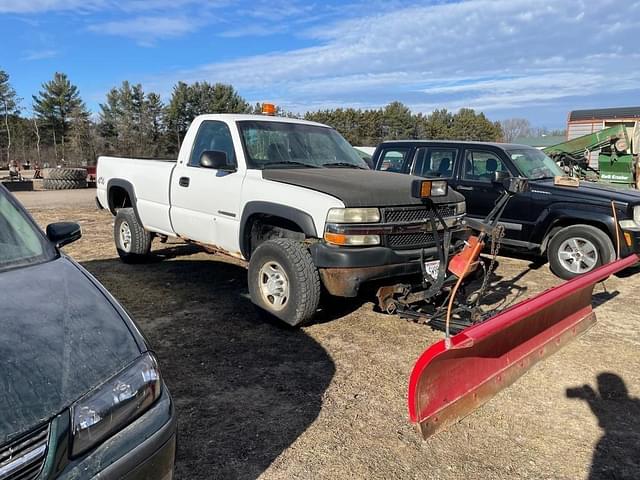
x=357, y=187
x=587, y=192
x=59, y=338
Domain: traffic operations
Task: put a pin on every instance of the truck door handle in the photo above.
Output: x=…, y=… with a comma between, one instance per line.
x=184, y=181
x=464, y=187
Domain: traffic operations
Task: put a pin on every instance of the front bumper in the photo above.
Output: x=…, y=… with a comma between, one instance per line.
x=344, y=269
x=629, y=241
x=144, y=449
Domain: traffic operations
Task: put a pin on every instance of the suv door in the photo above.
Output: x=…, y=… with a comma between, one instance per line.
x=474, y=180
x=205, y=202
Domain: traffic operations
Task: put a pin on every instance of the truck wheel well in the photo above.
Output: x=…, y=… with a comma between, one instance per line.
x=118, y=198
x=567, y=222
x=261, y=227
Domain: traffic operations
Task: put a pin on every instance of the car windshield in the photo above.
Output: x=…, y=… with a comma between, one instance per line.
x=534, y=164
x=280, y=144
x=21, y=243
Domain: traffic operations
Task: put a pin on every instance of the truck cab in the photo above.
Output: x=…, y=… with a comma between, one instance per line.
x=575, y=226
x=289, y=197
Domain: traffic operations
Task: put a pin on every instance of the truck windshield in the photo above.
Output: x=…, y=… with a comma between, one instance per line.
x=21, y=243
x=534, y=164
x=280, y=144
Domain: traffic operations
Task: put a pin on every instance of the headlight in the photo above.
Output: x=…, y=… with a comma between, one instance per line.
x=353, y=215
x=461, y=208
x=114, y=404
x=351, y=240
x=636, y=214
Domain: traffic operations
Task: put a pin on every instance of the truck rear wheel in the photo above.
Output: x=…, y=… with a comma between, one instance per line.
x=133, y=242
x=578, y=249
x=283, y=281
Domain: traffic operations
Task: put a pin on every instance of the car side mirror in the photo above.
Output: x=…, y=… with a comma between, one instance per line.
x=216, y=160
x=499, y=176
x=515, y=185
x=63, y=233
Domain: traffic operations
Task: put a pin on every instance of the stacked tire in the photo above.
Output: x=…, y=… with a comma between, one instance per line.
x=65, y=179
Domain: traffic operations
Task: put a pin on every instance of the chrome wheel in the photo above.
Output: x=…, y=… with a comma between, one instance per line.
x=578, y=255
x=125, y=237
x=274, y=285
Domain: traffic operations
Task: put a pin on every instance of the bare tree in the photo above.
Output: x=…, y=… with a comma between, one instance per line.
x=513, y=128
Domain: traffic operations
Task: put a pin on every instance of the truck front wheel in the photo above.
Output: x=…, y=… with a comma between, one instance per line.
x=283, y=281
x=133, y=242
x=579, y=249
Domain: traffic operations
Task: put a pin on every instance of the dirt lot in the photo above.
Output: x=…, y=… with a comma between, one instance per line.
x=256, y=399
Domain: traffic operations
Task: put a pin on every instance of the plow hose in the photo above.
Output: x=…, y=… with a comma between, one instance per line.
x=451, y=379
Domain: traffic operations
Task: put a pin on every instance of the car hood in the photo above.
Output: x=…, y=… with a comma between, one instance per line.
x=59, y=337
x=357, y=187
x=589, y=192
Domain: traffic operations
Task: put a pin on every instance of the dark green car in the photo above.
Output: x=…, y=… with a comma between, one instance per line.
x=80, y=390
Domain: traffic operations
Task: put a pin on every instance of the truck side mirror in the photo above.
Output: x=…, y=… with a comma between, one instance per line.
x=63, y=233
x=216, y=160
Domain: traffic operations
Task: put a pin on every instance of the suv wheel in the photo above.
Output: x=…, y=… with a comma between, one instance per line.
x=579, y=249
x=283, y=281
x=133, y=242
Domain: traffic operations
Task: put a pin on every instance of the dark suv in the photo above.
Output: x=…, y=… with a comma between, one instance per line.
x=573, y=225
x=80, y=390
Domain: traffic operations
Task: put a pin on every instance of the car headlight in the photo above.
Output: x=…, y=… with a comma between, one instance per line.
x=114, y=404
x=461, y=208
x=351, y=240
x=636, y=214
x=353, y=215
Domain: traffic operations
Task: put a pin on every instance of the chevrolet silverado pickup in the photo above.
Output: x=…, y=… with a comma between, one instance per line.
x=290, y=197
x=577, y=226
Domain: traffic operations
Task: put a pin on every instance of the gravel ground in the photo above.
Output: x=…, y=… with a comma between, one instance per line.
x=256, y=399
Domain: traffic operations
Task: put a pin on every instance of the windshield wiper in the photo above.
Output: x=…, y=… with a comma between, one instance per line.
x=289, y=162
x=343, y=164
x=547, y=177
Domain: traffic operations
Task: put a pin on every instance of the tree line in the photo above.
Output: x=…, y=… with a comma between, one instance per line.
x=55, y=126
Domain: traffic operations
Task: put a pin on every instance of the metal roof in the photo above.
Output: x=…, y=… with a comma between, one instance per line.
x=604, y=113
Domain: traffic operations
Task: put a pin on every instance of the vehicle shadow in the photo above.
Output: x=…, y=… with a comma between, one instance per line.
x=617, y=454
x=244, y=388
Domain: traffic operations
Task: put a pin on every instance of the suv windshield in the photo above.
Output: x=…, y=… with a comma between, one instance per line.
x=280, y=144
x=534, y=164
x=21, y=243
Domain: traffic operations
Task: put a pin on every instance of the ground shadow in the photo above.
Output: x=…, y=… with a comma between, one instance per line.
x=244, y=388
x=617, y=454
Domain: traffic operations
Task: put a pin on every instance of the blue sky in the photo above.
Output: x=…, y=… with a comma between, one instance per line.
x=536, y=59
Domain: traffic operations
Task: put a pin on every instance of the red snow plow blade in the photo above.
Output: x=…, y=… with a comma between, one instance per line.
x=446, y=384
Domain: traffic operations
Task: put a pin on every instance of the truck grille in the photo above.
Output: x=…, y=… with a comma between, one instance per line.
x=23, y=458
x=410, y=240
x=414, y=214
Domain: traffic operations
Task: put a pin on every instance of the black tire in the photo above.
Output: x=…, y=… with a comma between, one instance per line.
x=59, y=184
x=584, y=235
x=138, y=246
x=68, y=174
x=294, y=261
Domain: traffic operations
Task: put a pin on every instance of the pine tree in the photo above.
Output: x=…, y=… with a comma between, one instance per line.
x=8, y=106
x=54, y=105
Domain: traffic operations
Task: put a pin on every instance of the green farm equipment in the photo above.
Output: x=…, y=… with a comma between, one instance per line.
x=617, y=161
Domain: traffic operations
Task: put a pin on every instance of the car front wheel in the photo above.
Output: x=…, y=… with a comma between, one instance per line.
x=578, y=249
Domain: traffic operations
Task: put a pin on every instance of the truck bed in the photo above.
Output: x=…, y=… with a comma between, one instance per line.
x=151, y=178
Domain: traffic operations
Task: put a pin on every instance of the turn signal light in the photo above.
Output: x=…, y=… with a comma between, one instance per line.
x=351, y=240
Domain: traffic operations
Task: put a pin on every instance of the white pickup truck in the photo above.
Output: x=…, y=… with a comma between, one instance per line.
x=292, y=198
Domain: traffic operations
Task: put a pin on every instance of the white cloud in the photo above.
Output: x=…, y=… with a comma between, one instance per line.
x=511, y=54
x=32, y=55
x=146, y=30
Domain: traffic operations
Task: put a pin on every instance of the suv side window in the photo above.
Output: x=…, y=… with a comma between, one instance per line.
x=480, y=165
x=212, y=135
x=435, y=162
x=393, y=160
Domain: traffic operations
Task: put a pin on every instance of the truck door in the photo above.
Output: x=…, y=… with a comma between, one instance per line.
x=474, y=180
x=205, y=202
